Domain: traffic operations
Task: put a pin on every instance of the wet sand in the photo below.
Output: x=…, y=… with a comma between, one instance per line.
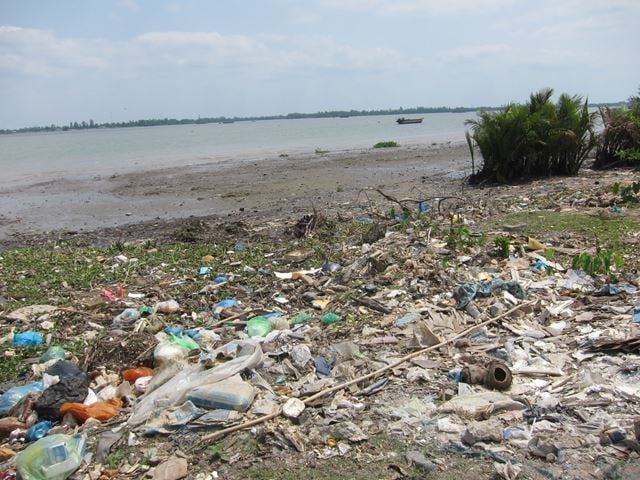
x=275, y=187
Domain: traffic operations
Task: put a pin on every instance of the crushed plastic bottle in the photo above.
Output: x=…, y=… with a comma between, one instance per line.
x=232, y=394
x=128, y=317
x=27, y=340
x=54, y=457
x=259, y=326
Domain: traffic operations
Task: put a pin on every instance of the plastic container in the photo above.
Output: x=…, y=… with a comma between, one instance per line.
x=233, y=394
x=54, y=457
x=53, y=353
x=27, y=340
x=259, y=326
x=128, y=317
x=39, y=430
x=11, y=397
x=134, y=374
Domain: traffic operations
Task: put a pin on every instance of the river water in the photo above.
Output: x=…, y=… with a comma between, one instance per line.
x=31, y=157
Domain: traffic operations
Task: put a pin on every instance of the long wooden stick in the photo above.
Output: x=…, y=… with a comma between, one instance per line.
x=221, y=433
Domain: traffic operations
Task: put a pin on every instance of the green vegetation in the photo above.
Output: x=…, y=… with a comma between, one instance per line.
x=502, y=246
x=460, y=238
x=535, y=139
x=387, y=144
x=601, y=263
x=628, y=193
x=608, y=232
x=619, y=143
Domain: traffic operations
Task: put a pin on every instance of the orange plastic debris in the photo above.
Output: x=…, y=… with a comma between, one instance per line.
x=133, y=374
x=102, y=411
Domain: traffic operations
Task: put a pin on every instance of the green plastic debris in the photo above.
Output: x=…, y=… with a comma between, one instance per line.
x=330, y=318
x=185, y=342
x=54, y=352
x=300, y=318
x=259, y=326
x=145, y=310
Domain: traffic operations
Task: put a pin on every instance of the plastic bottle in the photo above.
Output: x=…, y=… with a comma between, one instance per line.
x=127, y=317
x=259, y=326
x=233, y=394
x=27, y=340
x=39, y=430
x=11, y=397
x=54, y=457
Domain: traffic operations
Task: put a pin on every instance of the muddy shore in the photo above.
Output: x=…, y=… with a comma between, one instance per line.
x=151, y=203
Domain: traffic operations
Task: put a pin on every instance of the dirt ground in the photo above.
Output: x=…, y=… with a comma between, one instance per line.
x=150, y=203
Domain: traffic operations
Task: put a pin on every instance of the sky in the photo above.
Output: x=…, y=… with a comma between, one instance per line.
x=118, y=60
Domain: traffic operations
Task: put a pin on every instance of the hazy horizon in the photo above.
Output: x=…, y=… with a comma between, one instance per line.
x=123, y=60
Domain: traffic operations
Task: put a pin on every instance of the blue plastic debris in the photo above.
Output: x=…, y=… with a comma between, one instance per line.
x=227, y=303
x=238, y=247
x=423, y=206
x=176, y=331
x=27, y=340
x=204, y=271
x=39, y=430
x=323, y=367
x=407, y=319
x=220, y=279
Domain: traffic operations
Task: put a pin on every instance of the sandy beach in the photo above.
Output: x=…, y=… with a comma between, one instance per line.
x=277, y=187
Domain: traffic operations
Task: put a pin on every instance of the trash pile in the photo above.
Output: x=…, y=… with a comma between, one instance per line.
x=522, y=361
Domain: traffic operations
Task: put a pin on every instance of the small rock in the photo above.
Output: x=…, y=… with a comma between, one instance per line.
x=420, y=461
x=172, y=469
x=293, y=408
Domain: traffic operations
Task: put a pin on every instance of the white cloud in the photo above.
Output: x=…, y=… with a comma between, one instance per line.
x=428, y=7
x=475, y=51
x=40, y=53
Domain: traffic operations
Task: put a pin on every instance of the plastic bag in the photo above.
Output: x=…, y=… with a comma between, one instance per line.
x=175, y=390
x=38, y=430
x=12, y=397
x=259, y=326
x=133, y=374
x=54, y=457
x=53, y=353
x=102, y=411
x=27, y=340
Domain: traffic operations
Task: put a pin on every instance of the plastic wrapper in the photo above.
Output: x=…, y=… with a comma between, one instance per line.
x=102, y=411
x=134, y=374
x=12, y=397
x=174, y=391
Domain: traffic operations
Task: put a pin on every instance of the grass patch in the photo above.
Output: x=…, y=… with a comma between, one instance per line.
x=610, y=231
x=388, y=144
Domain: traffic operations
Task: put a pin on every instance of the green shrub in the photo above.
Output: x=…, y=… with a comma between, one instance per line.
x=535, y=139
x=619, y=142
x=601, y=263
x=388, y=144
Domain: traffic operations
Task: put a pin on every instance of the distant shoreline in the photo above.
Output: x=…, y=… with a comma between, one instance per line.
x=155, y=122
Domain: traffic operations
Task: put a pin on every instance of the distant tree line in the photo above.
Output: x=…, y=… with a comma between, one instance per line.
x=152, y=122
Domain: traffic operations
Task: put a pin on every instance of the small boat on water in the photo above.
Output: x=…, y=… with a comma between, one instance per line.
x=404, y=121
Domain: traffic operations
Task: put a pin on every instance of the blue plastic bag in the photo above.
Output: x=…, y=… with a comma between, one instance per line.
x=11, y=397
x=27, y=340
x=39, y=430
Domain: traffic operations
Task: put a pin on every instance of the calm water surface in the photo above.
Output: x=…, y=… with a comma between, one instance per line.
x=38, y=156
